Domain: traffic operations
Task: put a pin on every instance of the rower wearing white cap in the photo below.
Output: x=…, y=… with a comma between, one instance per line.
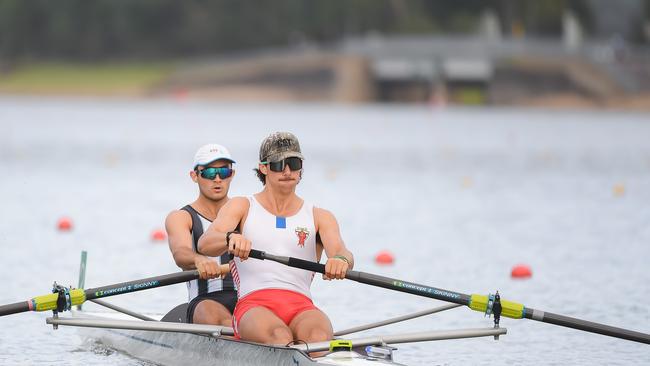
x=275, y=305
x=212, y=298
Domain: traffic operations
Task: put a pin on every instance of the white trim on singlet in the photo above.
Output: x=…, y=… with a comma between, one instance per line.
x=261, y=229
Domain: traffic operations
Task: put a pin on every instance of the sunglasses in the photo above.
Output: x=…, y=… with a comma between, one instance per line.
x=293, y=163
x=210, y=173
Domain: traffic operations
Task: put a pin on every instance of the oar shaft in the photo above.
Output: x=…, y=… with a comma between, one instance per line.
x=475, y=302
x=73, y=297
x=17, y=307
x=371, y=279
x=139, y=285
x=569, y=322
x=409, y=287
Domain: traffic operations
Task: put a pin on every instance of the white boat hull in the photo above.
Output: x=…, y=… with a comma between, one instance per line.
x=173, y=348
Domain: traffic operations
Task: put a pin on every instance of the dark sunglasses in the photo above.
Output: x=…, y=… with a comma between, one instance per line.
x=210, y=173
x=293, y=163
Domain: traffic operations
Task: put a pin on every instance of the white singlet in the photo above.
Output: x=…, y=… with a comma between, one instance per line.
x=293, y=236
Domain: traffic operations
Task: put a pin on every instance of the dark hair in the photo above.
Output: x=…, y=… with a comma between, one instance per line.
x=260, y=176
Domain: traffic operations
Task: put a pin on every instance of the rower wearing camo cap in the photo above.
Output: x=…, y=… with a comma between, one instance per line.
x=275, y=305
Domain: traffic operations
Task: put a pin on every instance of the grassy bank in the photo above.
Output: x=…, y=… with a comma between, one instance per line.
x=91, y=79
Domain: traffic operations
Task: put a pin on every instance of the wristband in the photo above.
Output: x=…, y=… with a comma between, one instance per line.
x=343, y=258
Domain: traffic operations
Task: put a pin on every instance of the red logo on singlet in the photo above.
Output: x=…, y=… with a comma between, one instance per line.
x=303, y=234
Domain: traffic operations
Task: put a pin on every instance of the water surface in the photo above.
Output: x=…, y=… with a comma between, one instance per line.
x=459, y=195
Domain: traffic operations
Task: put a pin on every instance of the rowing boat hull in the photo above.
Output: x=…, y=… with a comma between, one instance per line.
x=167, y=348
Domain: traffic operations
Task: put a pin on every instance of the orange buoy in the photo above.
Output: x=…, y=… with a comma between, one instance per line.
x=384, y=257
x=64, y=224
x=181, y=94
x=521, y=271
x=158, y=235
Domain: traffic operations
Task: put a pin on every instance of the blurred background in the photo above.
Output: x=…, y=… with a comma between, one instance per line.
x=559, y=53
x=465, y=138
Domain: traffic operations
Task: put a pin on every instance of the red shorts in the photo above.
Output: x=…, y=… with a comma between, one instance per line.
x=286, y=304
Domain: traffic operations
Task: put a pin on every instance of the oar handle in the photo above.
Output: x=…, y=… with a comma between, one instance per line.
x=257, y=254
x=308, y=265
x=295, y=262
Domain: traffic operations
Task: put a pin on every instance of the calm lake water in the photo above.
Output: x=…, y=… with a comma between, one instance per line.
x=459, y=195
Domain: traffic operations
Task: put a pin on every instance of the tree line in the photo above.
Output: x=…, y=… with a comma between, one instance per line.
x=86, y=30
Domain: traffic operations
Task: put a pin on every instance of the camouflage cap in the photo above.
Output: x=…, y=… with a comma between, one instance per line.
x=279, y=146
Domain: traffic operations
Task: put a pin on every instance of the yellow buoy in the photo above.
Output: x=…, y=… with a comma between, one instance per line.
x=619, y=190
x=467, y=182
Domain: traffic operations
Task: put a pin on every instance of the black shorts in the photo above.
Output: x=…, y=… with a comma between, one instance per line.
x=227, y=298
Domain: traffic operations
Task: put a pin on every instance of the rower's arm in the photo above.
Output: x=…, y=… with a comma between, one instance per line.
x=213, y=240
x=178, y=225
x=330, y=235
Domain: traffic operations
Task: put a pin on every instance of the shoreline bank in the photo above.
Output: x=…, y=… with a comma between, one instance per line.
x=321, y=80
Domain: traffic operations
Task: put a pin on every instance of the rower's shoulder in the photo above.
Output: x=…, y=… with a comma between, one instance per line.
x=178, y=213
x=323, y=214
x=237, y=203
x=178, y=217
x=239, y=200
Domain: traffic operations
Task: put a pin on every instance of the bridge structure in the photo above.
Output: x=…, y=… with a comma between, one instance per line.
x=479, y=69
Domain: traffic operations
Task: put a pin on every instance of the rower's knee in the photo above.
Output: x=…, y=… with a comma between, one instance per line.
x=213, y=319
x=281, y=336
x=209, y=312
x=318, y=335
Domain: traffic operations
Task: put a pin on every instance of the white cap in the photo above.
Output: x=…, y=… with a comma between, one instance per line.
x=208, y=154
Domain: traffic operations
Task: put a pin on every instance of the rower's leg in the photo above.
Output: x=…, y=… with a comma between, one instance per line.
x=211, y=312
x=311, y=326
x=259, y=324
